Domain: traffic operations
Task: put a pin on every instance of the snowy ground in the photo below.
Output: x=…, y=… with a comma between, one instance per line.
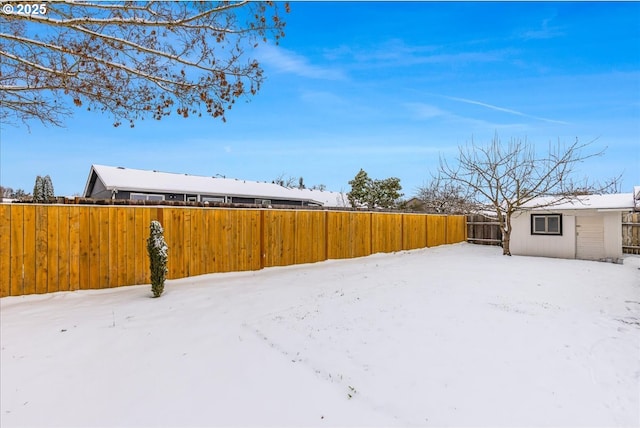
x=455, y=335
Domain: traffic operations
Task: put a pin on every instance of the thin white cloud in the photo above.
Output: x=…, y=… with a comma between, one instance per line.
x=544, y=32
x=286, y=61
x=397, y=53
x=505, y=110
x=426, y=111
x=422, y=111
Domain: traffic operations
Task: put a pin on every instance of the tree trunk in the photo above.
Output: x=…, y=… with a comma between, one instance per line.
x=506, y=239
x=506, y=235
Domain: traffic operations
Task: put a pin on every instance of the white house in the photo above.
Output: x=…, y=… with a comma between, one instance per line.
x=588, y=228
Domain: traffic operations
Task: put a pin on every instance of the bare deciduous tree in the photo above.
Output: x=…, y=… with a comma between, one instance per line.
x=445, y=197
x=132, y=59
x=286, y=181
x=503, y=178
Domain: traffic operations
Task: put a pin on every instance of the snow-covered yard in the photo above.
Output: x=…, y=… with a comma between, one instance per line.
x=456, y=335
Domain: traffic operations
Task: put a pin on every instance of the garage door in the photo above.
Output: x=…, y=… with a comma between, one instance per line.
x=589, y=238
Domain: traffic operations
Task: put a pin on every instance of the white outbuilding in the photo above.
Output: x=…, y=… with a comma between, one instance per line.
x=588, y=227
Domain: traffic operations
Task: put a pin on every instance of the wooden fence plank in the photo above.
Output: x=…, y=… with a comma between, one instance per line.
x=148, y=215
x=108, y=246
x=5, y=250
x=631, y=233
x=456, y=229
x=94, y=248
x=414, y=231
x=53, y=284
x=174, y=236
x=436, y=230
x=310, y=236
x=85, y=241
x=219, y=234
x=187, y=239
x=140, y=241
x=74, y=248
x=121, y=254
x=64, y=241
x=19, y=269
x=130, y=237
x=279, y=238
x=41, y=251
x=336, y=235
x=252, y=238
x=196, y=242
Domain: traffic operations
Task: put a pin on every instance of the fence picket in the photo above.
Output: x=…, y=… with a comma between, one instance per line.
x=631, y=233
x=5, y=247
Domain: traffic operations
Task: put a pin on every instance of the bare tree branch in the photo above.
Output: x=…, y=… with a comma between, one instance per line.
x=133, y=59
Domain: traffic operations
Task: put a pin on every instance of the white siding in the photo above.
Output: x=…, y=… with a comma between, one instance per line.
x=525, y=244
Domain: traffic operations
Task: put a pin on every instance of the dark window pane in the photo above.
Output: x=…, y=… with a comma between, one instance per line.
x=538, y=225
x=553, y=224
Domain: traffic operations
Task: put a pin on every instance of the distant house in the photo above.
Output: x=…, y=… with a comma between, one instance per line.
x=415, y=204
x=110, y=182
x=588, y=228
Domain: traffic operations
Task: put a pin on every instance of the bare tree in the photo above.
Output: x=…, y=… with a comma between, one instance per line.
x=285, y=181
x=445, y=197
x=132, y=59
x=505, y=177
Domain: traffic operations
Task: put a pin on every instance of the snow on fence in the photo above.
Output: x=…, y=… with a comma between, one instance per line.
x=631, y=233
x=49, y=248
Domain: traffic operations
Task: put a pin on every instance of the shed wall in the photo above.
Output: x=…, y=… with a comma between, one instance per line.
x=526, y=244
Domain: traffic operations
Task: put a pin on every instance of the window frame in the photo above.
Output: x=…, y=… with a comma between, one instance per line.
x=145, y=197
x=546, y=218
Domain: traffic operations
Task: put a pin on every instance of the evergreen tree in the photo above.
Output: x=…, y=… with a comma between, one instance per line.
x=386, y=192
x=38, y=190
x=158, y=256
x=374, y=193
x=47, y=189
x=360, y=186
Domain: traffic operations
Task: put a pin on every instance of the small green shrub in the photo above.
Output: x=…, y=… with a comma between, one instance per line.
x=158, y=256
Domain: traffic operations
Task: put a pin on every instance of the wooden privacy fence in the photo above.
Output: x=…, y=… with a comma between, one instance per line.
x=49, y=248
x=631, y=233
x=483, y=230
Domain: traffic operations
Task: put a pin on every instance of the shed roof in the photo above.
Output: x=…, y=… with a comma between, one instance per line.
x=137, y=180
x=615, y=201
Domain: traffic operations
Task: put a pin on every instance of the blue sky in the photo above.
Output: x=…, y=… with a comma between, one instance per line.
x=387, y=87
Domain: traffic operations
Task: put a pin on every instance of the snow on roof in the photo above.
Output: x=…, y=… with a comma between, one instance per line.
x=328, y=199
x=615, y=201
x=119, y=178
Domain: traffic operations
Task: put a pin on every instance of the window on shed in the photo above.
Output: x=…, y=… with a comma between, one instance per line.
x=546, y=224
